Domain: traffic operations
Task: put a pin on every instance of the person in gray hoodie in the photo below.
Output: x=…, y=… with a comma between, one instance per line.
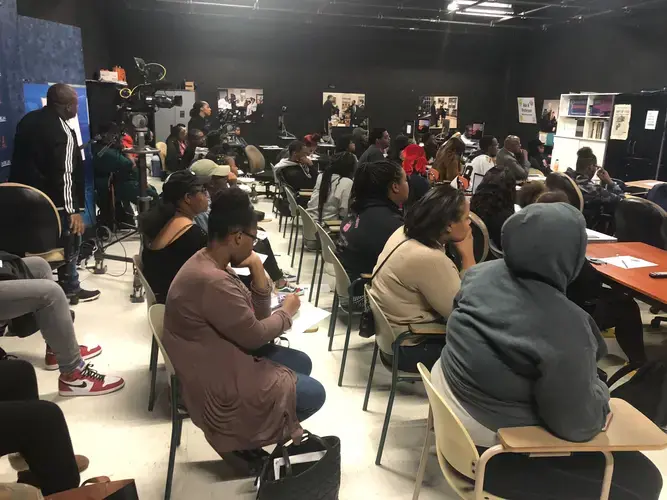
x=519, y=353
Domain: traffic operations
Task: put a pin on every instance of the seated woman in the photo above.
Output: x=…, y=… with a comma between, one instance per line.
x=414, y=163
x=297, y=171
x=448, y=159
x=493, y=202
x=530, y=192
x=398, y=145
x=331, y=196
x=519, y=353
x=414, y=280
x=378, y=191
x=242, y=390
x=170, y=235
x=176, y=145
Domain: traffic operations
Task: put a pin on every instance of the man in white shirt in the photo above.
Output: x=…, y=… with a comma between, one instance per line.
x=466, y=137
x=484, y=161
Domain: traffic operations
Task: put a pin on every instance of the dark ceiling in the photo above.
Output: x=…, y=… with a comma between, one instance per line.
x=417, y=15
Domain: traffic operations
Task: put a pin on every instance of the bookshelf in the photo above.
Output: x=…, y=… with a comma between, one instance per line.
x=584, y=119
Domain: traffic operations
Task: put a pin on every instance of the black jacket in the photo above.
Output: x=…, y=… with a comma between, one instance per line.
x=199, y=123
x=47, y=157
x=174, y=160
x=363, y=236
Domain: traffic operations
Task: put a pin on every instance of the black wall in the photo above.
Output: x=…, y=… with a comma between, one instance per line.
x=296, y=64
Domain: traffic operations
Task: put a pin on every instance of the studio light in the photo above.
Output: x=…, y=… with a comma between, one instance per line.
x=484, y=9
x=453, y=6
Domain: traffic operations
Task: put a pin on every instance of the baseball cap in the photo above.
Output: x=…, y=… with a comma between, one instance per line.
x=181, y=183
x=209, y=168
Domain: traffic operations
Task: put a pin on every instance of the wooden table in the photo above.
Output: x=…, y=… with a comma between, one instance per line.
x=629, y=430
x=645, y=184
x=636, y=280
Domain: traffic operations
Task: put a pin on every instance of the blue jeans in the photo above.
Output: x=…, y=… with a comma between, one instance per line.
x=310, y=394
x=68, y=276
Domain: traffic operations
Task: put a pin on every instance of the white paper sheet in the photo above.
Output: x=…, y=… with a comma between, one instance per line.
x=307, y=317
x=595, y=237
x=627, y=262
x=244, y=271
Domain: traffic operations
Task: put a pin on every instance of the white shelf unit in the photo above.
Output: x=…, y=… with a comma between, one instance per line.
x=580, y=125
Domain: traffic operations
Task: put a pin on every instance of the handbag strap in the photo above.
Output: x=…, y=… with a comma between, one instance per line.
x=387, y=258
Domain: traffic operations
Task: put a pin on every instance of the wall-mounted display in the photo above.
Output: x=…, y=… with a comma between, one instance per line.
x=343, y=110
x=240, y=105
x=439, y=111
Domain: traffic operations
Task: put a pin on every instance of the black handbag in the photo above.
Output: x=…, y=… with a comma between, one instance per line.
x=318, y=480
x=367, y=322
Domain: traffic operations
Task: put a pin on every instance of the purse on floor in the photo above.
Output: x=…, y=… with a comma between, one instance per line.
x=286, y=476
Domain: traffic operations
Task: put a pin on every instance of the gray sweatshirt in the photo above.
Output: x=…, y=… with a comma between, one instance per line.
x=518, y=351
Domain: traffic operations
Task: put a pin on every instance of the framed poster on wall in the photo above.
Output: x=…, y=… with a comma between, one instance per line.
x=440, y=111
x=240, y=105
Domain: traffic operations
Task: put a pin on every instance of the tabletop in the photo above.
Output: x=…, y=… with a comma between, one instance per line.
x=636, y=279
x=629, y=430
x=645, y=184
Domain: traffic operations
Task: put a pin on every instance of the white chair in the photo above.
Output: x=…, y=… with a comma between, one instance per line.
x=464, y=468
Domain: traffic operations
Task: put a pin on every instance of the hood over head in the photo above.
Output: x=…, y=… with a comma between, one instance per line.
x=546, y=242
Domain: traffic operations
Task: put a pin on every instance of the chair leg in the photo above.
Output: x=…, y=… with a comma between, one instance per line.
x=370, y=377
x=298, y=273
x=347, y=342
x=180, y=431
x=291, y=233
x=319, y=283
x=312, y=280
x=153, y=369
x=175, y=438
x=285, y=227
x=332, y=321
x=608, y=473
x=280, y=222
x=390, y=405
x=424, y=457
x=296, y=237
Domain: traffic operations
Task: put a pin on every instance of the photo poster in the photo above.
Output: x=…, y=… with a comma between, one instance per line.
x=34, y=97
x=437, y=109
x=549, y=116
x=240, y=105
x=526, y=109
x=620, y=124
x=349, y=109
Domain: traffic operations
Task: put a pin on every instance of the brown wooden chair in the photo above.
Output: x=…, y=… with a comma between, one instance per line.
x=558, y=181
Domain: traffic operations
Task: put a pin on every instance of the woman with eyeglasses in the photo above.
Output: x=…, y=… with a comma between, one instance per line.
x=170, y=235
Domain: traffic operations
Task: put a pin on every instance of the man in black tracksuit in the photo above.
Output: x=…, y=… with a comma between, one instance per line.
x=47, y=156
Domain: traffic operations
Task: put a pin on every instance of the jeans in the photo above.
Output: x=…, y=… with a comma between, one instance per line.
x=310, y=394
x=36, y=429
x=68, y=276
x=577, y=477
x=43, y=297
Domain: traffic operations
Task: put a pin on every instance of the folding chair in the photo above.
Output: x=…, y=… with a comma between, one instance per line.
x=178, y=412
x=294, y=210
x=310, y=234
x=387, y=341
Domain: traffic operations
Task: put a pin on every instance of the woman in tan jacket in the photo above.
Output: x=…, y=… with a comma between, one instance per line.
x=415, y=281
x=242, y=390
x=448, y=159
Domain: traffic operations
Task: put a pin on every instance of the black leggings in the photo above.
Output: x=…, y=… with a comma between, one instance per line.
x=36, y=429
x=577, y=477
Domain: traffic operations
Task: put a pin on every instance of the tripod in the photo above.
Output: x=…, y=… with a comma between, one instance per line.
x=143, y=204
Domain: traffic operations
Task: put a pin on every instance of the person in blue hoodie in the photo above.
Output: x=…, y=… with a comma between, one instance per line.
x=519, y=353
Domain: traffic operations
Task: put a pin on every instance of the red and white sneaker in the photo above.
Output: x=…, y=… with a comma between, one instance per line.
x=51, y=363
x=88, y=382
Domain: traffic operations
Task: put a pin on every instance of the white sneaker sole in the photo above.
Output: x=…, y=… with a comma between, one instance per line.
x=91, y=299
x=51, y=368
x=97, y=393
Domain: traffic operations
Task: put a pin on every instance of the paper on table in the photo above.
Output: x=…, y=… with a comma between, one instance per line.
x=627, y=262
x=262, y=235
x=653, y=183
x=307, y=317
x=244, y=271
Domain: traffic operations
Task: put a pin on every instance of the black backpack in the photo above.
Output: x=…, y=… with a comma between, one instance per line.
x=647, y=391
x=12, y=267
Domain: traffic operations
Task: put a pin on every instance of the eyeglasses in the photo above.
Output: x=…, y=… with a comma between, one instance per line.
x=253, y=236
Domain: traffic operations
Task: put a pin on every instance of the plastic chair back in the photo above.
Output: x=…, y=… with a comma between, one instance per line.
x=481, y=242
x=29, y=221
x=291, y=199
x=658, y=195
x=150, y=296
x=384, y=333
x=309, y=228
x=563, y=182
x=329, y=257
x=328, y=246
x=454, y=447
x=256, y=160
x=641, y=220
x=156, y=321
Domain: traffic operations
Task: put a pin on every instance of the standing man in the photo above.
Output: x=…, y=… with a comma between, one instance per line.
x=379, y=142
x=514, y=158
x=47, y=156
x=328, y=109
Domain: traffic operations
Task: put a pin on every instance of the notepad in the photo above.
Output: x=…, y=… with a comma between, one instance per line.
x=627, y=262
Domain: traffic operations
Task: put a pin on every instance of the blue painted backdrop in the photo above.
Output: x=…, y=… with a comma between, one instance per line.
x=34, y=51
